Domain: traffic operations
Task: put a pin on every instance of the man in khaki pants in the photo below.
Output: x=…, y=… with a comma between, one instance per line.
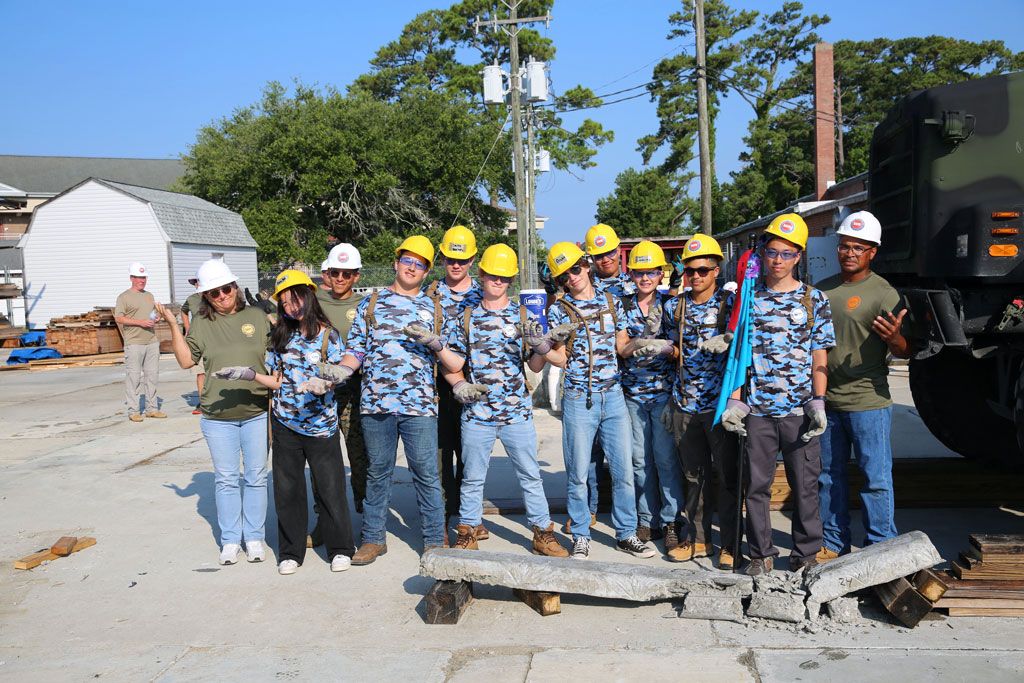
x=135, y=315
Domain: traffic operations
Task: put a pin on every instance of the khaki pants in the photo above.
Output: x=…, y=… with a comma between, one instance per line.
x=141, y=365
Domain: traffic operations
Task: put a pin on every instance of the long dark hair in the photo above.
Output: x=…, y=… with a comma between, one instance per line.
x=309, y=325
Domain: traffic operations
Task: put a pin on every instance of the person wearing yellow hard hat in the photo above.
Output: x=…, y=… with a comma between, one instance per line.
x=791, y=331
x=647, y=363
x=497, y=400
x=602, y=245
x=585, y=327
x=693, y=318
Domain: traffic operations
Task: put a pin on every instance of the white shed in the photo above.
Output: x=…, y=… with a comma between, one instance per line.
x=80, y=243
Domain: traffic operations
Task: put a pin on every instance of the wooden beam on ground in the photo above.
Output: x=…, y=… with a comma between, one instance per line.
x=83, y=543
x=447, y=600
x=35, y=559
x=929, y=584
x=974, y=612
x=541, y=602
x=903, y=601
x=64, y=546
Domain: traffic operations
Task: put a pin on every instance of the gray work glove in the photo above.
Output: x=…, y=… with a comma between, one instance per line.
x=314, y=385
x=236, y=372
x=815, y=411
x=666, y=416
x=467, y=393
x=717, y=344
x=652, y=322
x=644, y=348
x=541, y=341
x=422, y=335
x=334, y=373
x=732, y=418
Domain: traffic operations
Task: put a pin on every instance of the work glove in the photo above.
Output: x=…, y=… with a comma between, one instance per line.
x=645, y=348
x=717, y=344
x=815, y=411
x=676, y=278
x=337, y=374
x=467, y=393
x=652, y=322
x=732, y=418
x=666, y=416
x=236, y=372
x=540, y=341
x=314, y=385
x=422, y=335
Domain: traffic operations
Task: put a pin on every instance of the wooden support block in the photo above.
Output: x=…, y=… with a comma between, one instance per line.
x=929, y=584
x=447, y=600
x=64, y=545
x=83, y=543
x=35, y=559
x=980, y=603
x=541, y=602
x=972, y=612
x=903, y=601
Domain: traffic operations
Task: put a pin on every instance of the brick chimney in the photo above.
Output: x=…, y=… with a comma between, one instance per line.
x=824, y=120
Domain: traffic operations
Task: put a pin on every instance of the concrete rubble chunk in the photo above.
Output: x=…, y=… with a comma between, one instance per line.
x=781, y=582
x=871, y=566
x=721, y=608
x=778, y=606
x=563, y=575
x=844, y=610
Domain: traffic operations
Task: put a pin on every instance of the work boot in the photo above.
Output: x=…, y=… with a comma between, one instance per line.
x=671, y=537
x=316, y=537
x=481, y=533
x=726, y=561
x=643, y=532
x=796, y=565
x=567, y=529
x=368, y=552
x=155, y=413
x=466, y=539
x=759, y=566
x=688, y=550
x=545, y=543
x=825, y=555
x=135, y=417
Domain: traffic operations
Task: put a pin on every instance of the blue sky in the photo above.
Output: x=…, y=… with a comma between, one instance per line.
x=138, y=79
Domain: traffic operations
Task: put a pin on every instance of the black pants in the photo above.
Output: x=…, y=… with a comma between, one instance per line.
x=291, y=453
x=449, y=447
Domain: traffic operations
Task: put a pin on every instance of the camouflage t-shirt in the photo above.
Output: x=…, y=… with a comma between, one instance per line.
x=306, y=413
x=782, y=344
x=454, y=302
x=696, y=388
x=495, y=359
x=602, y=328
x=650, y=378
x=398, y=374
x=616, y=285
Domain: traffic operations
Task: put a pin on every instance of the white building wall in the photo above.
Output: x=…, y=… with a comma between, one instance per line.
x=186, y=259
x=79, y=247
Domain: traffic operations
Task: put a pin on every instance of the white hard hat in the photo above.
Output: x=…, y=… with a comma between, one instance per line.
x=137, y=269
x=729, y=286
x=214, y=273
x=344, y=256
x=862, y=225
x=324, y=266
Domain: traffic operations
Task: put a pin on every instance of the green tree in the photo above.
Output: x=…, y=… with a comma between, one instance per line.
x=643, y=204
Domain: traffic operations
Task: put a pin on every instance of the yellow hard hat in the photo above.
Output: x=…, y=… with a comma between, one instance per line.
x=459, y=242
x=499, y=259
x=290, y=278
x=790, y=227
x=646, y=256
x=601, y=238
x=419, y=245
x=702, y=246
x=562, y=257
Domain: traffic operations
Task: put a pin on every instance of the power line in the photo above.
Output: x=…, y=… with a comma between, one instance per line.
x=472, y=186
x=654, y=61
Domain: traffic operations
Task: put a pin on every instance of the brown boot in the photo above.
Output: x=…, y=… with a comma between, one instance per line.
x=687, y=550
x=643, y=533
x=481, y=533
x=726, y=561
x=826, y=555
x=368, y=552
x=545, y=543
x=466, y=540
x=671, y=537
x=567, y=529
x=316, y=537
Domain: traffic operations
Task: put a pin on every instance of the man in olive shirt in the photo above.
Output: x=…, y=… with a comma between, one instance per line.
x=189, y=310
x=339, y=304
x=857, y=401
x=135, y=315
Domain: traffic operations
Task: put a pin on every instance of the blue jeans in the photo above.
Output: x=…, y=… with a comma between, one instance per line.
x=419, y=439
x=608, y=421
x=867, y=433
x=239, y=516
x=520, y=442
x=657, y=477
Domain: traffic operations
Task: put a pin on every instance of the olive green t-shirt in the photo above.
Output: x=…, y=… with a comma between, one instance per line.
x=341, y=312
x=137, y=306
x=857, y=368
x=191, y=306
x=236, y=339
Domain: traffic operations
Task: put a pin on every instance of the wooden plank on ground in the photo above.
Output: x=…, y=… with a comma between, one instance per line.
x=903, y=601
x=35, y=559
x=542, y=602
x=83, y=543
x=980, y=603
x=969, y=568
x=64, y=545
x=972, y=612
x=1002, y=544
x=929, y=584
x=447, y=600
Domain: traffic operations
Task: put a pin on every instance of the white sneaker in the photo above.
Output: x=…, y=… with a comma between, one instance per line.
x=340, y=563
x=254, y=551
x=287, y=567
x=580, y=548
x=229, y=553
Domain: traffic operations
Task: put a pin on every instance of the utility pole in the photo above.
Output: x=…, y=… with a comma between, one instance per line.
x=702, y=119
x=528, y=278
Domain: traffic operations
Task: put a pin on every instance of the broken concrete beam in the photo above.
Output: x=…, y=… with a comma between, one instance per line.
x=778, y=606
x=877, y=564
x=844, y=610
x=563, y=575
x=727, y=608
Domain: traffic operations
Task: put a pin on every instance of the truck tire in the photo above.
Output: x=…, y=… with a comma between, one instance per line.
x=951, y=392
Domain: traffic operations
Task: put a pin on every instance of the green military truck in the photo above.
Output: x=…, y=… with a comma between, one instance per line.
x=946, y=180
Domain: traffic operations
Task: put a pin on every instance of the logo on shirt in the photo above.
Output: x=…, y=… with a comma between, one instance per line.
x=857, y=224
x=248, y=329
x=787, y=226
x=424, y=315
x=509, y=331
x=599, y=241
x=798, y=316
x=351, y=314
x=313, y=357
x=693, y=245
x=852, y=303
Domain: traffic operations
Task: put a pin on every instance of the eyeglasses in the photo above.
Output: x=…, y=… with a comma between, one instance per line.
x=575, y=270
x=338, y=272
x=504, y=279
x=410, y=261
x=703, y=271
x=784, y=255
x=457, y=261
x=855, y=249
x=639, y=274
x=221, y=291
x=607, y=255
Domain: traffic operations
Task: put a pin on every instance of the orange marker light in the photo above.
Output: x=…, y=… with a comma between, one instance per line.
x=1005, y=231
x=1006, y=214
x=1002, y=250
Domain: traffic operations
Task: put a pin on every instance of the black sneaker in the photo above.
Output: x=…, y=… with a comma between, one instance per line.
x=580, y=548
x=635, y=547
x=759, y=566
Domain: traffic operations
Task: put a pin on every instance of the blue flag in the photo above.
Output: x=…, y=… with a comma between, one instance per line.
x=741, y=347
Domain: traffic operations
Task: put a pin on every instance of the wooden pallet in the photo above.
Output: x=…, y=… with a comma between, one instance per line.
x=987, y=580
x=99, y=360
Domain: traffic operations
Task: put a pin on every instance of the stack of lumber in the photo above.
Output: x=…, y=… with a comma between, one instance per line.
x=104, y=360
x=987, y=580
x=9, y=290
x=86, y=334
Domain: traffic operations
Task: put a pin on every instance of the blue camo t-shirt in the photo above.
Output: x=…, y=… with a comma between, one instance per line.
x=602, y=328
x=696, y=388
x=453, y=303
x=782, y=345
x=495, y=359
x=650, y=378
x=616, y=285
x=398, y=374
x=307, y=413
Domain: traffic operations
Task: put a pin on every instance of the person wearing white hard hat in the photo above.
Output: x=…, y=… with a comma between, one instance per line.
x=226, y=333
x=857, y=401
x=189, y=310
x=325, y=276
x=135, y=315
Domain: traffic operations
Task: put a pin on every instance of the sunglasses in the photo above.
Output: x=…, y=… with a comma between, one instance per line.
x=640, y=274
x=457, y=261
x=221, y=291
x=607, y=255
x=784, y=255
x=703, y=271
x=855, y=249
x=338, y=272
x=575, y=270
x=410, y=261
x=504, y=279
